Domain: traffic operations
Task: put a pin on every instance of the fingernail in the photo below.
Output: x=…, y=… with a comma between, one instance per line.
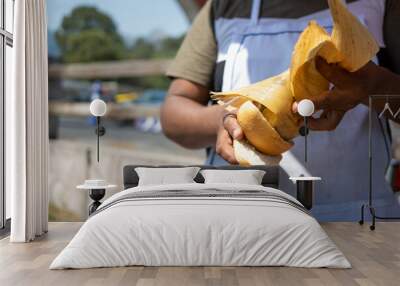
x=294, y=107
x=236, y=133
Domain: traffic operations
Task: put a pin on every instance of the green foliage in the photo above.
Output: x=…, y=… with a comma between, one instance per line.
x=145, y=82
x=144, y=49
x=91, y=45
x=168, y=47
x=89, y=35
x=158, y=82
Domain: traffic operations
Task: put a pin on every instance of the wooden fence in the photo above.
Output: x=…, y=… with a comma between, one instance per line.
x=109, y=70
x=114, y=111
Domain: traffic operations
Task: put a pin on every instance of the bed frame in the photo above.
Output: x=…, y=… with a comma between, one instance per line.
x=270, y=179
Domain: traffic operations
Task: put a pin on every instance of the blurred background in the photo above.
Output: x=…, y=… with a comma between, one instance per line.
x=118, y=51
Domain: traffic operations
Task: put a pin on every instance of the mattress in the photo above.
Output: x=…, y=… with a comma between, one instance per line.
x=201, y=225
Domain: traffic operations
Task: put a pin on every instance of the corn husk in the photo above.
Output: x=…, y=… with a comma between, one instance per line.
x=305, y=80
x=353, y=40
x=274, y=98
x=264, y=108
x=259, y=132
x=247, y=155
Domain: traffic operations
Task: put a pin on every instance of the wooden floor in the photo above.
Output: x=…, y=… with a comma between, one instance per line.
x=375, y=257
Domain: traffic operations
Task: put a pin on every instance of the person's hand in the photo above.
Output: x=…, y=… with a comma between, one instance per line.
x=349, y=90
x=327, y=121
x=228, y=131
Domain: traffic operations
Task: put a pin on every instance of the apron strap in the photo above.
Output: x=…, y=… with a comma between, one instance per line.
x=255, y=12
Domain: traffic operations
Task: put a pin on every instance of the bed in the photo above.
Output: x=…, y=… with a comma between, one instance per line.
x=201, y=224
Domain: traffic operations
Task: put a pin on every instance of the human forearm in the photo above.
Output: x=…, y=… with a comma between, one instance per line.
x=190, y=123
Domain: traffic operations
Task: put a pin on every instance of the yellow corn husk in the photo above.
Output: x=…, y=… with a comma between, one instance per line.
x=305, y=80
x=264, y=108
x=275, y=98
x=259, y=131
x=353, y=40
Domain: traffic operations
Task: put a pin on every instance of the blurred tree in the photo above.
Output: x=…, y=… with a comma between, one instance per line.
x=165, y=48
x=88, y=35
x=168, y=47
x=142, y=49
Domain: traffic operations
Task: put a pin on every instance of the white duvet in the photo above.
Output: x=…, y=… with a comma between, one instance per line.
x=188, y=231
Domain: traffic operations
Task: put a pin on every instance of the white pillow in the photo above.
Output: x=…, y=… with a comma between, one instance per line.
x=165, y=176
x=247, y=177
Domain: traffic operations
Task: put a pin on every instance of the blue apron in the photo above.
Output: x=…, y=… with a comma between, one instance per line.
x=262, y=48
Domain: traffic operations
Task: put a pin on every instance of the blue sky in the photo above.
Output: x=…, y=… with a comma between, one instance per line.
x=134, y=18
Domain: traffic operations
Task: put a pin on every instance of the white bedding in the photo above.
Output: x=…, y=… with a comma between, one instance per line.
x=183, y=231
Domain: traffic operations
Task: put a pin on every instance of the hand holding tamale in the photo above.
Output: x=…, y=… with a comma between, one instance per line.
x=264, y=108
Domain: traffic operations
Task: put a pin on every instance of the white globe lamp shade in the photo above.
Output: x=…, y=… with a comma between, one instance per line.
x=306, y=108
x=98, y=107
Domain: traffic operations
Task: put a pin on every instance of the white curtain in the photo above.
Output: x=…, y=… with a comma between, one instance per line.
x=27, y=123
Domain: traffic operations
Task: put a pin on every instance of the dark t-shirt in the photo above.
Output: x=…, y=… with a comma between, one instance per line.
x=196, y=58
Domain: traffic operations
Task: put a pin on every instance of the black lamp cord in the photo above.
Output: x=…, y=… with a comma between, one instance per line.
x=305, y=138
x=98, y=137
